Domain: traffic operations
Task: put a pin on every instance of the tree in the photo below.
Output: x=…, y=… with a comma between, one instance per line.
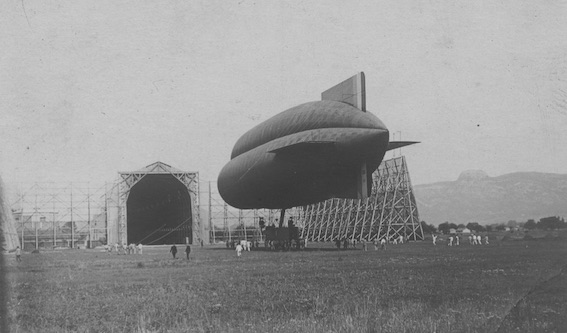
x=427, y=228
x=444, y=227
x=530, y=225
x=475, y=226
x=552, y=222
x=512, y=223
x=500, y=227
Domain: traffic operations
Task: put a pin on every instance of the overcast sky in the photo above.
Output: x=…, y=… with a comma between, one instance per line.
x=90, y=88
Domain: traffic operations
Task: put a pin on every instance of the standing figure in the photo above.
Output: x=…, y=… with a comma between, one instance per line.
x=486, y=240
x=434, y=237
x=125, y=248
x=376, y=244
x=140, y=248
x=116, y=248
x=457, y=240
x=470, y=240
x=18, y=254
x=450, y=241
x=474, y=241
x=188, y=251
x=479, y=239
x=364, y=245
x=238, y=250
x=383, y=244
x=173, y=250
x=401, y=239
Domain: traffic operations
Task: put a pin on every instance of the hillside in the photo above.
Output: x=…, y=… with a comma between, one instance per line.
x=476, y=197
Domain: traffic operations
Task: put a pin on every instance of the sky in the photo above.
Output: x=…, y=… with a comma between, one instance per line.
x=91, y=88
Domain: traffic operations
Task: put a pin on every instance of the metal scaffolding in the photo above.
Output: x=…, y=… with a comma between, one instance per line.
x=51, y=215
x=390, y=212
x=226, y=223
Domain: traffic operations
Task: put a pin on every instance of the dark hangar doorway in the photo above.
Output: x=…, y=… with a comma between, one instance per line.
x=159, y=211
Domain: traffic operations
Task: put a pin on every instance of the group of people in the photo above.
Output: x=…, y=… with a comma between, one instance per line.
x=173, y=251
x=455, y=240
x=124, y=249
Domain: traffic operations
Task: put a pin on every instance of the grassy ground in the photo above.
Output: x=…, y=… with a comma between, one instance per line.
x=514, y=285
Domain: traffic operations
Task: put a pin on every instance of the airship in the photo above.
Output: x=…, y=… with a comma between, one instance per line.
x=309, y=153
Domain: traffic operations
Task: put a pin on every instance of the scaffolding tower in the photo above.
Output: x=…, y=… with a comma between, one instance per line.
x=51, y=215
x=390, y=212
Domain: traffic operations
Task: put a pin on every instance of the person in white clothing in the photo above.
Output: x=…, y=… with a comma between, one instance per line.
x=238, y=250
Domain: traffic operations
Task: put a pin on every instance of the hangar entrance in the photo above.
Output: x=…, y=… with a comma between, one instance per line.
x=156, y=205
x=159, y=211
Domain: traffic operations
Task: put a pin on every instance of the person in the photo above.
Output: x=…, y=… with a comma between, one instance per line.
x=116, y=248
x=201, y=243
x=434, y=237
x=364, y=246
x=18, y=254
x=238, y=250
x=486, y=239
x=140, y=248
x=376, y=244
x=457, y=240
x=345, y=244
x=383, y=244
x=474, y=240
x=173, y=250
x=188, y=251
x=450, y=241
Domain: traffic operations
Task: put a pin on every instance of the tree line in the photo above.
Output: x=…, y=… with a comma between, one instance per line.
x=546, y=223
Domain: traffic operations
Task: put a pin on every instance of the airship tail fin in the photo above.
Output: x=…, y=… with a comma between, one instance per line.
x=399, y=144
x=351, y=91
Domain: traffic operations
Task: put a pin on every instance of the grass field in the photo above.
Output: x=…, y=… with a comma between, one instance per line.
x=507, y=286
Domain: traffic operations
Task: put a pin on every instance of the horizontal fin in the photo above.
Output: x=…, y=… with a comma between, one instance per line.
x=399, y=144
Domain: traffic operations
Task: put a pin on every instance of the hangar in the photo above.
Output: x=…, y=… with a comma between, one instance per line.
x=155, y=205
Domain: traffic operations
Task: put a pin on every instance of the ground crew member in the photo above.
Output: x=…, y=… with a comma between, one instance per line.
x=18, y=254
x=188, y=251
x=238, y=250
x=173, y=250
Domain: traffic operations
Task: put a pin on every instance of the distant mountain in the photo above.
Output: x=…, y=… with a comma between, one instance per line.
x=476, y=197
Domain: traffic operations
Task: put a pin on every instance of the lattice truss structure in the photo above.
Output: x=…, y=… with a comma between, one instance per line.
x=49, y=215
x=226, y=223
x=117, y=199
x=390, y=212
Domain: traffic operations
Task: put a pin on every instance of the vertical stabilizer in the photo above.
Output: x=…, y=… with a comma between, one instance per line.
x=351, y=91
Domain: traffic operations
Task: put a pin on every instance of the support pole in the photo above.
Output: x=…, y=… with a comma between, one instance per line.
x=211, y=226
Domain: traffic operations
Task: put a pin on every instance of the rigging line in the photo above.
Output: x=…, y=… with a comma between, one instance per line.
x=174, y=229
x=153, y=232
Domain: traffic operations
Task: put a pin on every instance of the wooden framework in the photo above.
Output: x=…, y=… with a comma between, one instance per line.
x=390, y=211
